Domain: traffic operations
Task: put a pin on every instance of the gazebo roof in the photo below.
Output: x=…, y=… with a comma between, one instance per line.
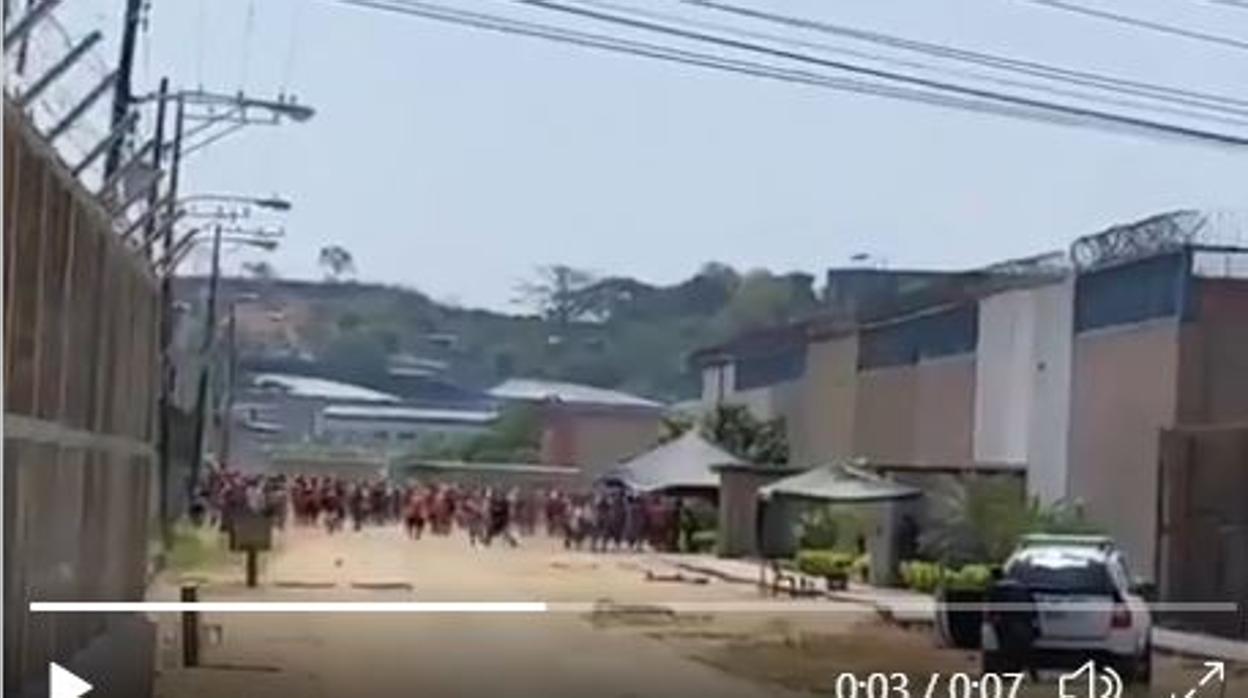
x=685, y=463
x=839, y=483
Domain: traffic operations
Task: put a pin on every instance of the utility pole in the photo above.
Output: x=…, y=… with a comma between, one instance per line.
x=122, y=92
x=166, y=331
x=205, y=353
x=162, y=402
x=231, y=373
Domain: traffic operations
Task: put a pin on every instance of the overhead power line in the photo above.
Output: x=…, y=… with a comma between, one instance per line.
x=1144, y=23
x=1033, y=68
x=1101, y=96
x=1069, y=117
x=927, y=83
x=692, y=58
x=1241, y=4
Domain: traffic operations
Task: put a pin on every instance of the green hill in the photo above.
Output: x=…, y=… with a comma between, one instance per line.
x=612, y=332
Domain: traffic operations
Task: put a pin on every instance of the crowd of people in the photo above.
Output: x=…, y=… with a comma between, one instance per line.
x=598, y=520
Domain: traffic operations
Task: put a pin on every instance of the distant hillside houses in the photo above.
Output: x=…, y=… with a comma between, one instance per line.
x=581, y=426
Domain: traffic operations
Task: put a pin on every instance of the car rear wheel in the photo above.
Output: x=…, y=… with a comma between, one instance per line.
x=1136, y=669
x=998, y=663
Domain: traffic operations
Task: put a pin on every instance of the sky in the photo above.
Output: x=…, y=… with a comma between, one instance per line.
x=456, y=161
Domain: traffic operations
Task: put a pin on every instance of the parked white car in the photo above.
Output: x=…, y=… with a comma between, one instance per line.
x=1085, y=608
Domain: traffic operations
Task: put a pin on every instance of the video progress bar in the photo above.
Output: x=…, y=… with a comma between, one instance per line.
x=821, y=606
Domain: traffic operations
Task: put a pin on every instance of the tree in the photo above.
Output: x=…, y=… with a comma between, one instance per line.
x=336, y=261
x=981, y=520
x=516, y=437
x=559, y=293
x=736, y=429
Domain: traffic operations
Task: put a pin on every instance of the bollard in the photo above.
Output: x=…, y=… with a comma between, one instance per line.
x=190, y=627
x=253, y=567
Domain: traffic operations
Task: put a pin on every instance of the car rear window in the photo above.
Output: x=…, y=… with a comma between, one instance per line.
x=1062, y=574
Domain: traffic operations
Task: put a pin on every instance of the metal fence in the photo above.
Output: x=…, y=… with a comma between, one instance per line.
x=81, y=350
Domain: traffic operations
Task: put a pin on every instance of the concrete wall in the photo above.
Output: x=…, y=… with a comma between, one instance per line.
x=717, y=383
x=944, y=415
x=1124, y=392
x=484, y=475
x=1022, y=384
x=885, y=404
x=358, y=468
x=81, y=347
x=739, y=510
x=1005, y=355
x=594, y=440
x=823, y=429
x=1049, y=427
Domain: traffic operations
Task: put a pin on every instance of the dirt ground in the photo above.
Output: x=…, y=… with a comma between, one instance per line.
x=611, y=632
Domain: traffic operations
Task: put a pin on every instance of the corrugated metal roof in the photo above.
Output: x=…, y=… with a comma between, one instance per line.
x=307, y=386
x=409, y=414
x=686, y=463
x=839, y=483
x=539, y=390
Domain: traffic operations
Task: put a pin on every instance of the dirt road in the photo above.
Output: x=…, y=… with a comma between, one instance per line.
x=618, y=637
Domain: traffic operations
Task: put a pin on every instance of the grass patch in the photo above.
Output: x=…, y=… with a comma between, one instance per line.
x=195, y=548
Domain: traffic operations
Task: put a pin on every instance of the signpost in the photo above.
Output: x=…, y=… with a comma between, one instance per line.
x=251, y=533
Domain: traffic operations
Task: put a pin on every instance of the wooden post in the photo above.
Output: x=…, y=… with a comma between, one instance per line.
x=253, y=566
x=190, y=628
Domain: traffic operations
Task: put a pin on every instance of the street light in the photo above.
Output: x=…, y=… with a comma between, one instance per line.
x=260, y=239
x=179, y=210
x=282, y=106
x=273, y=203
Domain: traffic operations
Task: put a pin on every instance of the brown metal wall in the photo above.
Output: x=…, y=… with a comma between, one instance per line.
x=1214, y=355
x=885, y=402
x=822, y=430
x=1124, y=392
x=944, y=425
x=80, y=364
x=917, y=414
x=1205, y=524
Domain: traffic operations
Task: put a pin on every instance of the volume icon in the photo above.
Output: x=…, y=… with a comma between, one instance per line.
x=1091, y=681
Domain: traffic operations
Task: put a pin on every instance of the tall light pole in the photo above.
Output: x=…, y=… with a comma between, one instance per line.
x=209, y=339
x=231, y=368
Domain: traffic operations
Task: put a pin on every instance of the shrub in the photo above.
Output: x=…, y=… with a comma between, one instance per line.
x=831, y=527
x=702, y=541
x=928, y=577
x=824, y=563
x=983, y=518
x=970, y=578
x=920, y=576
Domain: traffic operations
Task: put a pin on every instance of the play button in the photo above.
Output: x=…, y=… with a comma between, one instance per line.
x=63, y=684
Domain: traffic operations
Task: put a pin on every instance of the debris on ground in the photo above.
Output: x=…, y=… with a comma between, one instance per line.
x=652, y=576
